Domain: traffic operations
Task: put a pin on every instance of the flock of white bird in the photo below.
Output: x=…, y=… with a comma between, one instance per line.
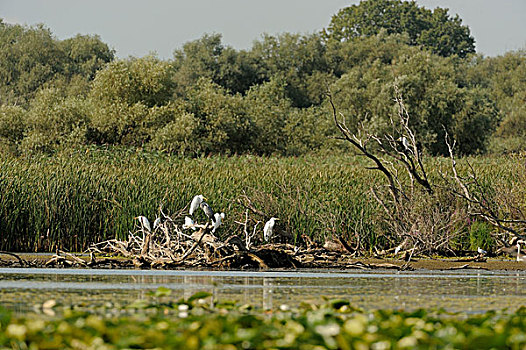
x=199, y=202
x=216, y=218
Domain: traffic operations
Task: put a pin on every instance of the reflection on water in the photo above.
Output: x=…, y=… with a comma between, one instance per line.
x=467, y=291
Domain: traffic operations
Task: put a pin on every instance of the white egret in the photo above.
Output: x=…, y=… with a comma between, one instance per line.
x=208, y=211
x=267, y=230
x=516, y=241
x=217, y=221
x=196, y=202
x=401, y=245
x=519, y=257
x=156, y=223
x=145, y=224
x=481, y=251
x=188, y=223
x=404, y=142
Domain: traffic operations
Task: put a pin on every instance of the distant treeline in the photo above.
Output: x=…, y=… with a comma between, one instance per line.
x=211, y=98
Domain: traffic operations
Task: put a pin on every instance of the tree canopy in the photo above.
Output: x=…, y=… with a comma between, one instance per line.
x=269, y=99
x=30, y=57
x=436, y=30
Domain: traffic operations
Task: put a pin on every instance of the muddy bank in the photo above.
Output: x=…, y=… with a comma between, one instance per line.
x=340, y=261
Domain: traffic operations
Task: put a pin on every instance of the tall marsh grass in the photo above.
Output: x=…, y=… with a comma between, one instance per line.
x=73, y=199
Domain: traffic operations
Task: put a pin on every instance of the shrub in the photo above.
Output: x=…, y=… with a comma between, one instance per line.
x=145, y=80
x=480, y=235
x=12, y=127
x=54, y=119
x=178, y=136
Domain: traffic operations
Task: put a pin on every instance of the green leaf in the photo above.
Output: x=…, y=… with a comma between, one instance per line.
x=199, y=295
x=162, y=292
x=139, y=304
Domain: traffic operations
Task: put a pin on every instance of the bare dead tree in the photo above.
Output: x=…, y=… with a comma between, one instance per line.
x=411, y=157
x=430, y=218
x=362, y=147
x=412, y=211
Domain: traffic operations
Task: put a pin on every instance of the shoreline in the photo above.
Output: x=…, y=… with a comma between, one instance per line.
x=42, y=260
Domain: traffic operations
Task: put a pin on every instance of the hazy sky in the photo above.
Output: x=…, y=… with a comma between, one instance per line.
x=140, y=27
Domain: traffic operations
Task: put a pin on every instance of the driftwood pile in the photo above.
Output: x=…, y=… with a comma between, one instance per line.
x=171, y=245
x=196, y=246
x=168, y=246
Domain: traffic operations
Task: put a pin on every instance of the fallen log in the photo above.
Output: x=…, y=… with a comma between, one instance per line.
x=20, y=260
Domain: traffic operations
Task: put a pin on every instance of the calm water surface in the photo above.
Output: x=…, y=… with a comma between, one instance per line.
x=466, y=291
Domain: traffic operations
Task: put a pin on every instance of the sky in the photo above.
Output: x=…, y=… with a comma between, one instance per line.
x=137, y=28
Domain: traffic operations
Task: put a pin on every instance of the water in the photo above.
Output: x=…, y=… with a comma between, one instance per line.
x=458, y=291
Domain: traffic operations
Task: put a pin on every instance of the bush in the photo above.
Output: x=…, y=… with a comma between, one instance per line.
x=178, y=136
x=145, y=80
x=12, y=127
x=54, y=119
x=507, y=145
x=480, y=235
x=223, y=125
x=119, y=123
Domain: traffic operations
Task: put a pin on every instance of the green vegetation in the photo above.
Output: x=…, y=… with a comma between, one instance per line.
x=197, y=323
x=78, y=198
x=269, y=99
x=89, y=141
x=435, y=29
x=75, y=198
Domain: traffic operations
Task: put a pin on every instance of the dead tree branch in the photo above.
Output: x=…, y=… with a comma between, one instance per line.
x=356, y=142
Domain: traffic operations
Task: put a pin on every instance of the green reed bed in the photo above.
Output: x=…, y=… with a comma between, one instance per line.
x=73, y=199
x=199, y=323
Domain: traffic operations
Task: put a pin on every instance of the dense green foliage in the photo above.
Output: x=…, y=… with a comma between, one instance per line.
x=31, y=58
x=73, y=199
x=435, y=29
x=504, y=76
x=269, y=99
x=196, y=323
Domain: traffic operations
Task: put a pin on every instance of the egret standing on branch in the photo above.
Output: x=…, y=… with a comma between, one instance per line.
x=217, y=220
x=404, y=142
x=267, y=230
x=196, y=202
x=156, y=223
x=145, y=224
